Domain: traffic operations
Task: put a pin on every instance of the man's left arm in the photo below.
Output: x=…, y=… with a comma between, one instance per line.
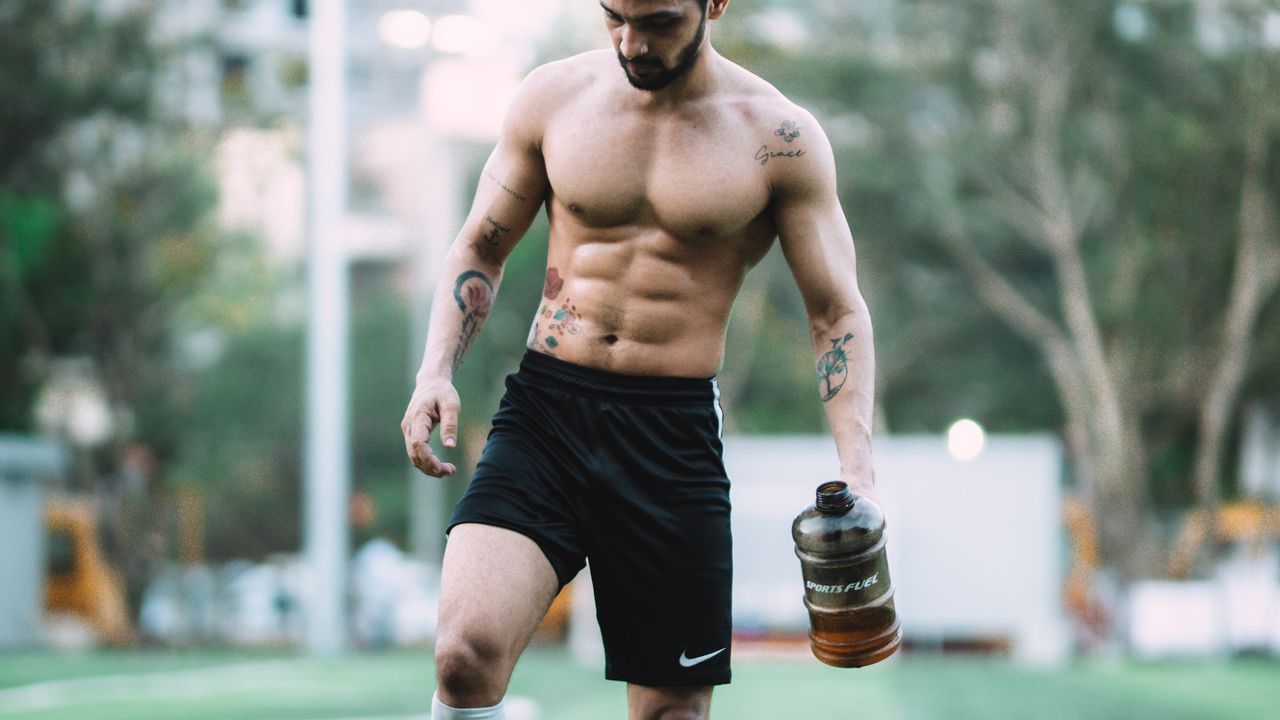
x=818, y=246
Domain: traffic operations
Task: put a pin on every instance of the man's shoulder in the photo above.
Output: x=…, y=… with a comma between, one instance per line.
x=789, y=142
x=559, y=80
x=760, y=104
x=546, y=90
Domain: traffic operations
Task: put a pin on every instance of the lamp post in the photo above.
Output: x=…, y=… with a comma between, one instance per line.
x=328, y=455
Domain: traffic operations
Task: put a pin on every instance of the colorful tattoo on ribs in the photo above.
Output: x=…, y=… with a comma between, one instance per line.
x=560, y=322
x=553, y=285
x=833, y=368
x=473, y=292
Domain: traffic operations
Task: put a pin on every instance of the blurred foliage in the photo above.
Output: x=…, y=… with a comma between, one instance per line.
x=1152, y=141
x=104, y=234
x=106, y=249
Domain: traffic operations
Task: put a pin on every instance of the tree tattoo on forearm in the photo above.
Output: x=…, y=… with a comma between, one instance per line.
x=473, y=291
x=833, y=368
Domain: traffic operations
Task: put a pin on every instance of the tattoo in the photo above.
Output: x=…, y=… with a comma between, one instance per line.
x=498, y=228
x=763, y=154
x=565, y=319
x=789, y=131
x=560, y=321
x=554, y=282
x=515, y=194
x=833, y=368
x=475, y=308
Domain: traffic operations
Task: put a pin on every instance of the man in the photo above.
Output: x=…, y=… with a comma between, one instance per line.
x=664, y=184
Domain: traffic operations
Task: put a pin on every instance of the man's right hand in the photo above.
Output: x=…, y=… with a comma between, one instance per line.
x=434, y=404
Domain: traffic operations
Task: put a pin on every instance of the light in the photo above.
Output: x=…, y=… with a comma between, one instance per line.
x=965, y=440
x=1271, y=30
x=461, y=35
x=408, y=29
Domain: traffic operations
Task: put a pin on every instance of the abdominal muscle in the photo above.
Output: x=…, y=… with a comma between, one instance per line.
x=643, y=303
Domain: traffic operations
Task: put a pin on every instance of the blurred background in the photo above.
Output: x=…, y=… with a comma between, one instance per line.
x=1067, y=221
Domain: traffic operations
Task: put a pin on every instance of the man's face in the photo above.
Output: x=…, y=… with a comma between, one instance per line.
x=657, y=41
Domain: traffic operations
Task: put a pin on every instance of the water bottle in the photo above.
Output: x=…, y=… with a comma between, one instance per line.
x=840, y=542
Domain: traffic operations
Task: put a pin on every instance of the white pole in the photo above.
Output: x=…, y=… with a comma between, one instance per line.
x=440, y=204
x=328, y=456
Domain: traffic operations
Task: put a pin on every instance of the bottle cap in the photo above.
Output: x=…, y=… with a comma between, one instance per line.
x=834, y=498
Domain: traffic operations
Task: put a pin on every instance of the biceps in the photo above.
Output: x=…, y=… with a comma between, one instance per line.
x=508, y=196
x=818, y=246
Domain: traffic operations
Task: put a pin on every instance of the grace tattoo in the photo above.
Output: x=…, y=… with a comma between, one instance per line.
x=473, y=292
x=833, y=368
x=788, y=131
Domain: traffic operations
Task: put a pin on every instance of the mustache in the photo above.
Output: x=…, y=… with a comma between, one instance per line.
x=641, y=62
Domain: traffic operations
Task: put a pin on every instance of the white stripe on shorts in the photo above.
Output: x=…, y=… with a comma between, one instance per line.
x=715, y=387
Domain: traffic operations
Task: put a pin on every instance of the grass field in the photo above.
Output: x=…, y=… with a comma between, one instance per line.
x=397, y=686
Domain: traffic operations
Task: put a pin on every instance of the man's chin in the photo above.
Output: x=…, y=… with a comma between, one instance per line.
x=650, y=83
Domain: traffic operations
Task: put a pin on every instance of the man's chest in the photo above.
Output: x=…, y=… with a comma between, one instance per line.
x=692, y=177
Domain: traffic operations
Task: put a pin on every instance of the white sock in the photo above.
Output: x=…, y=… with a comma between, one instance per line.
x=440, y=711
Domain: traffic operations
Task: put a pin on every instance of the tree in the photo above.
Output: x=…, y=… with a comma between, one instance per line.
x=1094, y=175
x=103, y=233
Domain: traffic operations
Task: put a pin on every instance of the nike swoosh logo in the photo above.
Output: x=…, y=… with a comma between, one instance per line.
x=686, y=661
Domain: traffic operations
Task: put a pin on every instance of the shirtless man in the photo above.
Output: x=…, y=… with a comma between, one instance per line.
x=664, y=183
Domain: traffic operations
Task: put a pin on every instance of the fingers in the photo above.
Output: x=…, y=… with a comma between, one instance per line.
x=417, y=440
x=449, y=423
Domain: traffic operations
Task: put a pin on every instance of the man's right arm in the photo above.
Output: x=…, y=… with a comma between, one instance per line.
x=512, y=188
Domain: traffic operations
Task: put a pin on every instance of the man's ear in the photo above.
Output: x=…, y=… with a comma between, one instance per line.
x=716, y=8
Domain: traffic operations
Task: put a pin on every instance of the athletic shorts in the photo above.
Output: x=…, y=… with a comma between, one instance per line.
x=625, y=471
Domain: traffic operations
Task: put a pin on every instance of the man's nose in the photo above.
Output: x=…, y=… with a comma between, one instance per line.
x=633, y=43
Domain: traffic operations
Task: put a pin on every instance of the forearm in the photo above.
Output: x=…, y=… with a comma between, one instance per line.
x=462, y=302
x=845, y=353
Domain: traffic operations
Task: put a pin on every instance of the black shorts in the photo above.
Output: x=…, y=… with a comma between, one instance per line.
x=626, y=471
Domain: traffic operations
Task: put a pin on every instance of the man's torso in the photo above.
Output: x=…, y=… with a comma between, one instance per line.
x=657, y=214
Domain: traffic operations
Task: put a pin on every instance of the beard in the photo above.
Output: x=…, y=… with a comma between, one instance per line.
x=664, y=75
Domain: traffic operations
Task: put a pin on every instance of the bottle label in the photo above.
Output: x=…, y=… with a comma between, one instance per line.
x=848, y=587
x=836, y=584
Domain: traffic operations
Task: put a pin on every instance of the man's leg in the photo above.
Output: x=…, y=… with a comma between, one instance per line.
x=495, y=587
x=668, y=703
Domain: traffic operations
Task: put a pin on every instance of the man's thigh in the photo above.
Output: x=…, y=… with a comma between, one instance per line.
x=496, y=585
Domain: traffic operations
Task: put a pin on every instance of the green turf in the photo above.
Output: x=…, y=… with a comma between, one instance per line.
x=246, y=686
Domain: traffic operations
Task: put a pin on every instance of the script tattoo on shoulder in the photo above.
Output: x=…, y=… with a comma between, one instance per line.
x=833, y=368
x=788, y=131
x=473, y=292
x=502, y=185
x=495, y=233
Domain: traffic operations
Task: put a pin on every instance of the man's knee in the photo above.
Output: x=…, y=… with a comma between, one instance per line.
x=471, y=669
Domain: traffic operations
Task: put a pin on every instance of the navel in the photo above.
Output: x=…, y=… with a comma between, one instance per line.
x=610, y=339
